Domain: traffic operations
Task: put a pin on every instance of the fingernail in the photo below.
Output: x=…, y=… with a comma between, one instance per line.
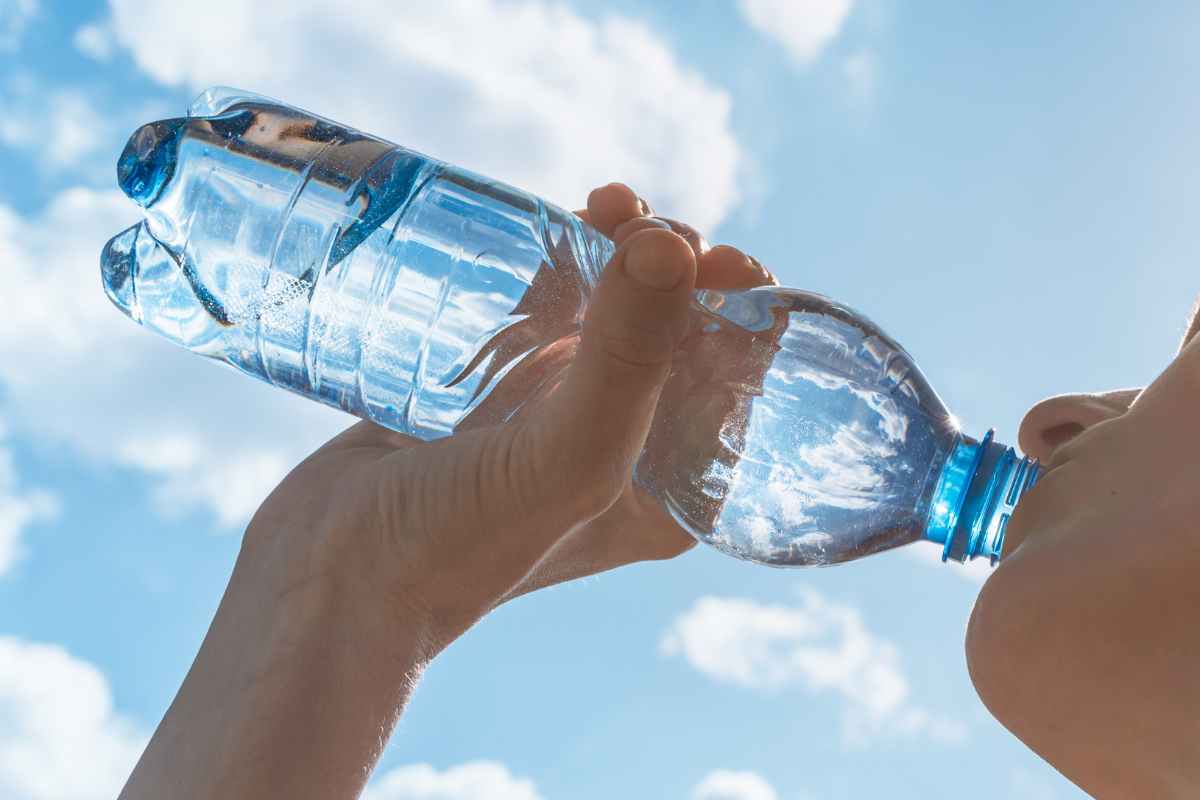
x=691, y=235
x=646, y=265
x=632, y=226
x=765, y=272
x=646, y=210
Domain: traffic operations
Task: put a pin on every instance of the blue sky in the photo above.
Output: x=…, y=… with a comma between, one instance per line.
x=1008, y=188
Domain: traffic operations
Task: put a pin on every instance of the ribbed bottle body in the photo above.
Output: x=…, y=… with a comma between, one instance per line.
x=359, y=273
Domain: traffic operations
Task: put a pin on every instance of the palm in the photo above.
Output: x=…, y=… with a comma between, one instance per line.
x=634, y=528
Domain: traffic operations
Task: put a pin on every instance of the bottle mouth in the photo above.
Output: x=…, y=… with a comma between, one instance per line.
x=148, y=160
x=146, y=283
x=976, y=495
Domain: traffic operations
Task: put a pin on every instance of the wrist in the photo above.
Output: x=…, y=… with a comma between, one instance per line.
x=292, y=694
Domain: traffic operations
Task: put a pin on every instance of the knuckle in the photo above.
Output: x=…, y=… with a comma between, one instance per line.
x=634, y=347
x=594, y=194
x=638, y=353
x=693, y=237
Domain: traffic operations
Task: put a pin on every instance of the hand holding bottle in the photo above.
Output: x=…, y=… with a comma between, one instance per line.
x=380, y=549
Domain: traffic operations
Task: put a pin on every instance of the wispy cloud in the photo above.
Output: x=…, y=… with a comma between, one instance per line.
x=475, y=780
x=71, y=131
x=192, y=474
x=206, y=436
x=557, y=104
x=19, y=508
x=60, y=737
x=723, y=784
x=861, y=71
x=14, y=17
x=819, y=646
x=95, y=41
x=804, y=27
x=59, y=125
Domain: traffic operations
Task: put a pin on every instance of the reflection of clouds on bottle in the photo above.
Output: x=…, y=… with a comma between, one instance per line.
x=794, y=432
x=699, y=434
x=533, y=345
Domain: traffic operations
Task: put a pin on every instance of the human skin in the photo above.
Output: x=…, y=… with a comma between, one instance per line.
x=1084, y=642
x=379, y=550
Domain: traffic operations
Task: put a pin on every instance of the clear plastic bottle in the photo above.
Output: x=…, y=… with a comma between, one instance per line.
x=334, y=264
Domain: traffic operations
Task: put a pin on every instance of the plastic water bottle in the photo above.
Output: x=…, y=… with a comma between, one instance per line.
x=325, y=261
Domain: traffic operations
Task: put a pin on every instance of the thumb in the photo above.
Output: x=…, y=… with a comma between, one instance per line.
x=594, y=426
x=493, y=501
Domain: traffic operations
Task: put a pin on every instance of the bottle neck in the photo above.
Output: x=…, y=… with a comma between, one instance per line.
x=980, y=486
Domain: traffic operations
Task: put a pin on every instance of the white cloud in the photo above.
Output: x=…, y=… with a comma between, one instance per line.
x=75, y=370
x=69, y=129
x=528, y=92
x=95, y=41
x=804, y=27
x=723, y=784
x=60, y=738
x=475, y=780
x=60, y=125
x=192, y=475
x=19, y=508
x=819, y=646
x=861, y=73
x=14, y=17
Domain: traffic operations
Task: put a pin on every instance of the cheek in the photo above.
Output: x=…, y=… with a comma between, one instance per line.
x=1126, y=488
x=1058, y=435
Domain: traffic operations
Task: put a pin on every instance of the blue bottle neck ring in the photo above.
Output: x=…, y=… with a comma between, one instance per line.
x=975, y=496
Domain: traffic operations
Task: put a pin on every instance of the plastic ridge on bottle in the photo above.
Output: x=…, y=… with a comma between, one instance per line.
x=976, y=495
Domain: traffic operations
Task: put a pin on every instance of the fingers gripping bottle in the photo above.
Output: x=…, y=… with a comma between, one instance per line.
x=792, y=430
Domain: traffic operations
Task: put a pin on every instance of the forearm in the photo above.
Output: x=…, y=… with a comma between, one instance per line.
x=280, y=701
